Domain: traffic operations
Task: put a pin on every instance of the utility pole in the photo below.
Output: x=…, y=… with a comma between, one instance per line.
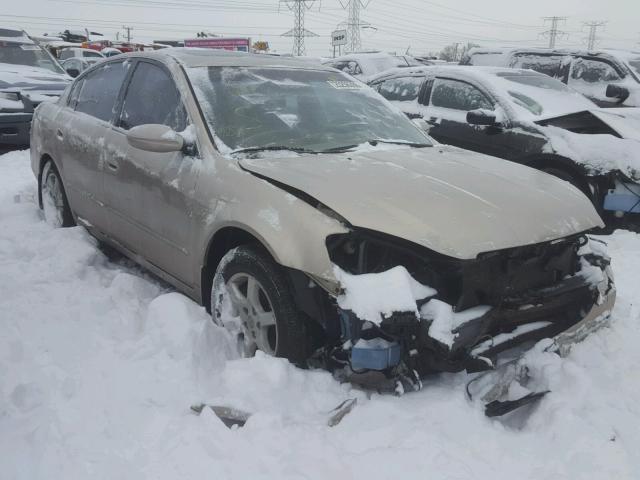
x=354, y=24
x=593, y=28
x=128, y=29
x=553, y=33
x=298, y=7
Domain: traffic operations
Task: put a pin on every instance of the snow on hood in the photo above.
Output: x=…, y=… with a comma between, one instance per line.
x=31, y=78
x=602, y=153
x=455, y=202
x=598, y=153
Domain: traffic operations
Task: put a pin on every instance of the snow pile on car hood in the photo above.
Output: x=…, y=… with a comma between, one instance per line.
x=598, y=153
x=375, y=296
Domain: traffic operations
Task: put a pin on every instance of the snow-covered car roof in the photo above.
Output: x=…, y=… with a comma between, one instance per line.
x=14, y=35
x=208, y=57
x=501, y=56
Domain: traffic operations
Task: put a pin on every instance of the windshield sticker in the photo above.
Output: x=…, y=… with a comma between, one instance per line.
x=29, y=47
x=345, y=85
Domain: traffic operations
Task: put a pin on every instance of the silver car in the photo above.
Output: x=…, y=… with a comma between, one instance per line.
x=315, y=220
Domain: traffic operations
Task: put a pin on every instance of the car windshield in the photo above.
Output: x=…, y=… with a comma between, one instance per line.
x=29, y=55
x=305, y=110
x=540, y=94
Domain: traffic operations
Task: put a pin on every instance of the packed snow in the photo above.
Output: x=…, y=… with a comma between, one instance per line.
x=100, y=362
x=374, y=296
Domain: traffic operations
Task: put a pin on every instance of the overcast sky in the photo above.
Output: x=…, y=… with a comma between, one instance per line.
x=396, y=25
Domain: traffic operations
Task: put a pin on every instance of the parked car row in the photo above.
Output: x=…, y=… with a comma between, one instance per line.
x=532, y=119
x=317, y=222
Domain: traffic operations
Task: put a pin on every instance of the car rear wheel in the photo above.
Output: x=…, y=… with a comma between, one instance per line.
x=54, y=199
x=251, y=299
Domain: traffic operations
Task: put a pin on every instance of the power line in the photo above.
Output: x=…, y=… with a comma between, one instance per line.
x=593, y=28
x=553, y=33
x=298, y=7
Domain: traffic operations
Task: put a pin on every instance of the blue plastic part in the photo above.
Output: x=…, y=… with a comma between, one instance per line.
x=622, y=202
x=350, y=325
x=375, y=358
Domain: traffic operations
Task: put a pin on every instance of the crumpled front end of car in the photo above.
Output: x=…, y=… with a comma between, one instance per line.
x=467, y=312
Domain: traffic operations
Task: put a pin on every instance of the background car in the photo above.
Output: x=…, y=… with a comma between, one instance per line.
x=89, y=55
x=73, y=66
x=610, y=78
x=312, y=218
x=529, y=118
x=29, y=75
x=365, y=65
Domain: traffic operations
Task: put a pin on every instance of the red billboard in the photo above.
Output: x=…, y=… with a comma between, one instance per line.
x=223, y=43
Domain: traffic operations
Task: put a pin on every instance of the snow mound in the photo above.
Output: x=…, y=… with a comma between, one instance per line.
x=99, y=365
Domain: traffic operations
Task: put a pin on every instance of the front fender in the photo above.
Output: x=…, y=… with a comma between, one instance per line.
x=292, y=230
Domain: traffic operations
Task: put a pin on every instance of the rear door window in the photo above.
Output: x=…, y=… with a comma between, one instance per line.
x=152, y=97
x=350, y=66
x=100, y=90
x=73, y=95
x=593, y=71
x=551, y=65
x=457, y=95
x=402, y=89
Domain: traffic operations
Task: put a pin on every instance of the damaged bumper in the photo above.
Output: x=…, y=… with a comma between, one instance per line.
x=405, y=347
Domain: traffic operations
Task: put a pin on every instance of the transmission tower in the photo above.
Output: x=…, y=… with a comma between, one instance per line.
x=354, y=24
x=593, y=28
x=298, y=7
x=553, y=33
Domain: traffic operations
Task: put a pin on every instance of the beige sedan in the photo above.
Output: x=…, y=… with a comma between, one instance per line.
x=313, y=218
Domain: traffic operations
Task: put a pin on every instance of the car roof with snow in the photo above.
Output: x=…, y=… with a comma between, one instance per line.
x=461, y=72
x=14, y=35
x=614, y=55
x=208, y=57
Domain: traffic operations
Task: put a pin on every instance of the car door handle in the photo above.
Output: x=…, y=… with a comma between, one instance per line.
x=113, y=166
x=59, y=134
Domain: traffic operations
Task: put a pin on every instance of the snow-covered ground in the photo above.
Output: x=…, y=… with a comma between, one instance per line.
x=99, y=363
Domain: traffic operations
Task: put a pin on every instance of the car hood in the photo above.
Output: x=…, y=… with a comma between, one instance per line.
x=455, y=202
x=24, y=78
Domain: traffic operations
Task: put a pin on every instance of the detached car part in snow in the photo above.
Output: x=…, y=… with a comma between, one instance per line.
x=314, y=220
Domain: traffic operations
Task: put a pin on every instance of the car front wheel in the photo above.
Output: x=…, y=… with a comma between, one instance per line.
x=54, y=199
x=251, y=299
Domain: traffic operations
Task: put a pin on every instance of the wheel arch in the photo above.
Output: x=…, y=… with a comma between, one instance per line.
x=220, y=242
x=550, y=160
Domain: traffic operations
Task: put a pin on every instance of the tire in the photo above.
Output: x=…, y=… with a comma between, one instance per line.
x=251, y=298
x=53, y=197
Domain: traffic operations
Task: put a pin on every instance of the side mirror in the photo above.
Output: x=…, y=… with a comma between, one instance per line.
x=481, y=117
x=155, y=138
x=616, y=91
x=73, y=72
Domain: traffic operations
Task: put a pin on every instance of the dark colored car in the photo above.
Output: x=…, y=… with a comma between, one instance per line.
x=29, y=75
x=532, y=119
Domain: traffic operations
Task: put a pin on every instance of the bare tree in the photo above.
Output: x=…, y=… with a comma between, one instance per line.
x=455, y=51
